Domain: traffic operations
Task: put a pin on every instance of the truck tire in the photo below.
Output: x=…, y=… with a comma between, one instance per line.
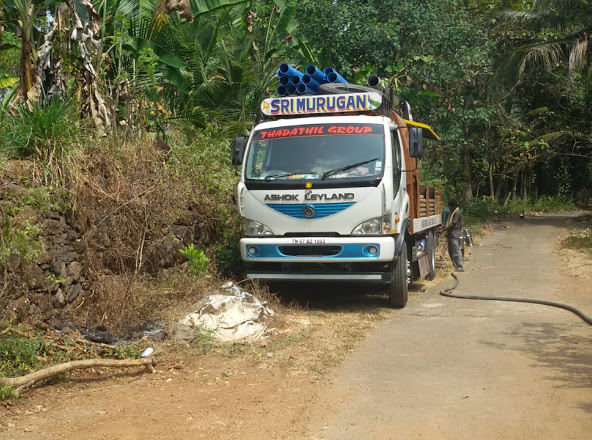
x=431, y=251
x=399, y=289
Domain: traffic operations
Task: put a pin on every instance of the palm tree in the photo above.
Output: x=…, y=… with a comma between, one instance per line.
x=567, y=26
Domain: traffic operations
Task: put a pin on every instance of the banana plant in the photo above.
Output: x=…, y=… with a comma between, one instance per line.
x=22, y=16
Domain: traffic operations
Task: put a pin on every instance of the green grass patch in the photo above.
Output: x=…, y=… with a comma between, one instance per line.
x=20, y=355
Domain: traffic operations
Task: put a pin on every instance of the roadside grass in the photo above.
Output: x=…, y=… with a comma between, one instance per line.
x=580, y=236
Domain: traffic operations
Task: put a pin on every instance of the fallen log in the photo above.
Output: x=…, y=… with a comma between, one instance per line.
x=46, y=373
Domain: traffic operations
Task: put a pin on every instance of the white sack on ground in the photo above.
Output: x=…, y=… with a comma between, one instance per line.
x=230, y=317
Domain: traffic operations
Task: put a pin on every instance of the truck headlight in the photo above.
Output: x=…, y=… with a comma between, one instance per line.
x=255, y=229
x=375, y=226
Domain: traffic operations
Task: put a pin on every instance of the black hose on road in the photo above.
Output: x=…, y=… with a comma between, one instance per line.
x=447, y=292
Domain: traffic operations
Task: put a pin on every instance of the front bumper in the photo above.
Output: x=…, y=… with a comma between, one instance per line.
x=318, y=249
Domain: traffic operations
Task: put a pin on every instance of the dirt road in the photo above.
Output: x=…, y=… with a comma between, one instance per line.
x=452, y=369
x=439, y=369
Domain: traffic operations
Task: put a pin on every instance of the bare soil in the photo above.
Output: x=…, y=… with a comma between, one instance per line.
x=283, y=387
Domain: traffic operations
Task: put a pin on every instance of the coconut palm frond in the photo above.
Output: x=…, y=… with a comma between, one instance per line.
x=546, y=55
x=577, y=55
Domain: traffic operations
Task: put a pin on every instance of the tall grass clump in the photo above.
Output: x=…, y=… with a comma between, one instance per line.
x=580, y=237
x=44, y=131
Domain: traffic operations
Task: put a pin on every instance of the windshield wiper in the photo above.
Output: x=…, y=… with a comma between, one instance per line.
x=276, y=176
x=345, y=168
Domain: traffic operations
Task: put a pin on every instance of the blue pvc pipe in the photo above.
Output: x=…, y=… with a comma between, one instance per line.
x=315, y=73
x=284, y=80
x=281, y=91
x=301, y=89
x=295, y=80
x=286, y=69
x=335, y=77
x=290, y=89
x=310, y=82
x=328, y=70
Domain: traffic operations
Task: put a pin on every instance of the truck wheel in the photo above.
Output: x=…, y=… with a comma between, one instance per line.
x=431, y=251
x=398, y=291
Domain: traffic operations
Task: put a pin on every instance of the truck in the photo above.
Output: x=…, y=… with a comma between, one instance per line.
x=329, y=189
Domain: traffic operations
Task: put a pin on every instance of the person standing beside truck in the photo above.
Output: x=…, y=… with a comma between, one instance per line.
x=454, y=233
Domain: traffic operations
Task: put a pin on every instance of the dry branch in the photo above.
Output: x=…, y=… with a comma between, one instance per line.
x=54, y=370
x=15, y=331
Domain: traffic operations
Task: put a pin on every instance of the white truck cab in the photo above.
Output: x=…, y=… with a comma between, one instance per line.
x=324, y=194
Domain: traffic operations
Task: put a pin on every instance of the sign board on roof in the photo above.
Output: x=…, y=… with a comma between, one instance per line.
x=307, y=104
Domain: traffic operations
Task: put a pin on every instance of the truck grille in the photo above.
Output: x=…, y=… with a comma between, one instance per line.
x=309, y=251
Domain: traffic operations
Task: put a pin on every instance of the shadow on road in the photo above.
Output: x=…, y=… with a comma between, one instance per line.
x=335, y=297
x=559, y=348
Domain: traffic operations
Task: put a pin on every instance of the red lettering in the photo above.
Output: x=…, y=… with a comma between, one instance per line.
x=332, y=129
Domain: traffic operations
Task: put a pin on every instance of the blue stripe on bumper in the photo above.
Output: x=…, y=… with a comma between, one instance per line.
x=358, y=251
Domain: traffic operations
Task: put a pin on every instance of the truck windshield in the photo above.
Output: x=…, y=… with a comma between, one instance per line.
x=321, y=151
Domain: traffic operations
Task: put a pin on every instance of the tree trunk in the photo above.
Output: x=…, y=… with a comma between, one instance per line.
x=468, y=190
x=491, y=187
x=28, y=77
x=467, y=172
x=500, y=186
x=515, y=183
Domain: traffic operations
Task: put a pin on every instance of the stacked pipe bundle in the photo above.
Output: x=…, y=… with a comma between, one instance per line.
x=294, y=82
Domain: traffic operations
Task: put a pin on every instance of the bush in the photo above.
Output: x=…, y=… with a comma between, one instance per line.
x=198, y=261
x=551, y=204
x=20, y=355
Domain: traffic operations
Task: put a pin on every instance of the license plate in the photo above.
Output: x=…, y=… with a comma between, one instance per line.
x=308, y=241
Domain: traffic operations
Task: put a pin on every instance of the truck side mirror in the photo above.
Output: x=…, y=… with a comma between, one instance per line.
x=239, y=150
x=415, y=142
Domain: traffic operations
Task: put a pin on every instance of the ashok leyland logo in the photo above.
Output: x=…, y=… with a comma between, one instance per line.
x=308, y=211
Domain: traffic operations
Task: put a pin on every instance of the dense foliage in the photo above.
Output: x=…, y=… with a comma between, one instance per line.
x=506, y=83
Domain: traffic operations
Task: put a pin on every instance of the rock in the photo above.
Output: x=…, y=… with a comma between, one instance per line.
x=66, y=283
x=58, y=268
x=34, y=276
x=53, y=286
x=33, y=309
x=74, y=292
x=183, y=332
x=20, y=307
x=43, y=259
x=74, y=270
x=60, y=297
x=163, y=253
x=183, y=233
x=78, y=246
